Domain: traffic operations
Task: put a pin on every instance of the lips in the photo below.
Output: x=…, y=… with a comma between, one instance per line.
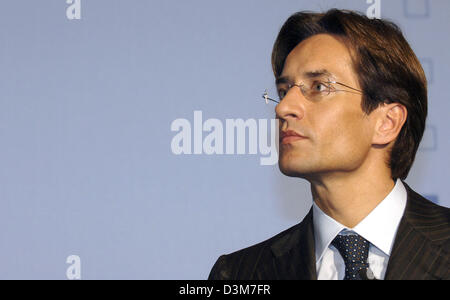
x=289, y=136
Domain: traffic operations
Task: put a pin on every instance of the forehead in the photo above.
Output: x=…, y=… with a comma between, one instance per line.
x=320, y=52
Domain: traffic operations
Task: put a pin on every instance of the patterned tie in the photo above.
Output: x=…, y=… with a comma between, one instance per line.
x=354, y=249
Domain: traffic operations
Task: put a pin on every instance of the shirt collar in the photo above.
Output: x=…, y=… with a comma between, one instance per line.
x=379, y=227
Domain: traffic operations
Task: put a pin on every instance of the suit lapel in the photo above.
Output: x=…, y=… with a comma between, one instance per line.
x=416, y=254
x=418, y=251
x=294, y=256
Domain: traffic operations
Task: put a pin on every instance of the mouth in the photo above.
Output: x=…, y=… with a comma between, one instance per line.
x=290, y=136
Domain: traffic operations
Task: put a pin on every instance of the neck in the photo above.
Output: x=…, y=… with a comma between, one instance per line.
x=349, y=197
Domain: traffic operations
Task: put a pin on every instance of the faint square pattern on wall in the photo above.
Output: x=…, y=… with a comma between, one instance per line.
x=416, y=8
x=433, y=198
x=429, y=139
x=427, y=65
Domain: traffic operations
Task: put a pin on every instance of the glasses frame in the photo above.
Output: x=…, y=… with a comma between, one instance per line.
x=301, y=86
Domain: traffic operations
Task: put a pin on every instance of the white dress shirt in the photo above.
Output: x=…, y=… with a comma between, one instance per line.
x=379, y=228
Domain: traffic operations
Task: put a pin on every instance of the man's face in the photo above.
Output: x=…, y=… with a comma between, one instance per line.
x=338, y=134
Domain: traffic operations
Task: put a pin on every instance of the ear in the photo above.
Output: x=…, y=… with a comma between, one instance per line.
x=390, y=120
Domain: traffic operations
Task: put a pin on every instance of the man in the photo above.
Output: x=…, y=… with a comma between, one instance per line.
x=352, y=110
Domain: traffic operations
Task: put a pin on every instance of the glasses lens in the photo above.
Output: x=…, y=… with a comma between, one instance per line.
x=316, y=89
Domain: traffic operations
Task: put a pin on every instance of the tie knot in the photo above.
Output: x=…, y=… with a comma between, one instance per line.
x=354, y=249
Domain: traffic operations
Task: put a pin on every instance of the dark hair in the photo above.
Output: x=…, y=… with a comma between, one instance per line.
x=387, y=68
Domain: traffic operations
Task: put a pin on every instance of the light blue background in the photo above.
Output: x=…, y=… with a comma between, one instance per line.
x=86, y=105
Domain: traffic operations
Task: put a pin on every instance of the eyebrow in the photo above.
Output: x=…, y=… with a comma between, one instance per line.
x=309, y=75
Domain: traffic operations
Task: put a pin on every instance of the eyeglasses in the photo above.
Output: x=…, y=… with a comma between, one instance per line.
x=313, y=90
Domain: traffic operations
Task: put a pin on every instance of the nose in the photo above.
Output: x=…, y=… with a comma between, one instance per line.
x=291, y=106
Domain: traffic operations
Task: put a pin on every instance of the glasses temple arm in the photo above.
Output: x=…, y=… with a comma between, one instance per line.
x=266, y=98
x=347, y=86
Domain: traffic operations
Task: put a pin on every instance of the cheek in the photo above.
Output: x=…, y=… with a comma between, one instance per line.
x=343, y=132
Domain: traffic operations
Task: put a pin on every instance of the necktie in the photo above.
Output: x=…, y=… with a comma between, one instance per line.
x=354, y=249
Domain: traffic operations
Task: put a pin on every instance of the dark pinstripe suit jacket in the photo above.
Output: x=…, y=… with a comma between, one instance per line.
x=421, y=249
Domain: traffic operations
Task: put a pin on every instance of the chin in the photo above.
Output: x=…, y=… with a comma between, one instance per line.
x=298, y=166
x=290, y=169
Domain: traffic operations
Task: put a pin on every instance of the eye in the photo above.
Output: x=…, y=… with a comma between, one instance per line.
x=281, y=93
x=319, y=87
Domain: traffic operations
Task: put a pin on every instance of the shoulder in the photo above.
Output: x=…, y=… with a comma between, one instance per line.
x=427, y=217
x=245, y=262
